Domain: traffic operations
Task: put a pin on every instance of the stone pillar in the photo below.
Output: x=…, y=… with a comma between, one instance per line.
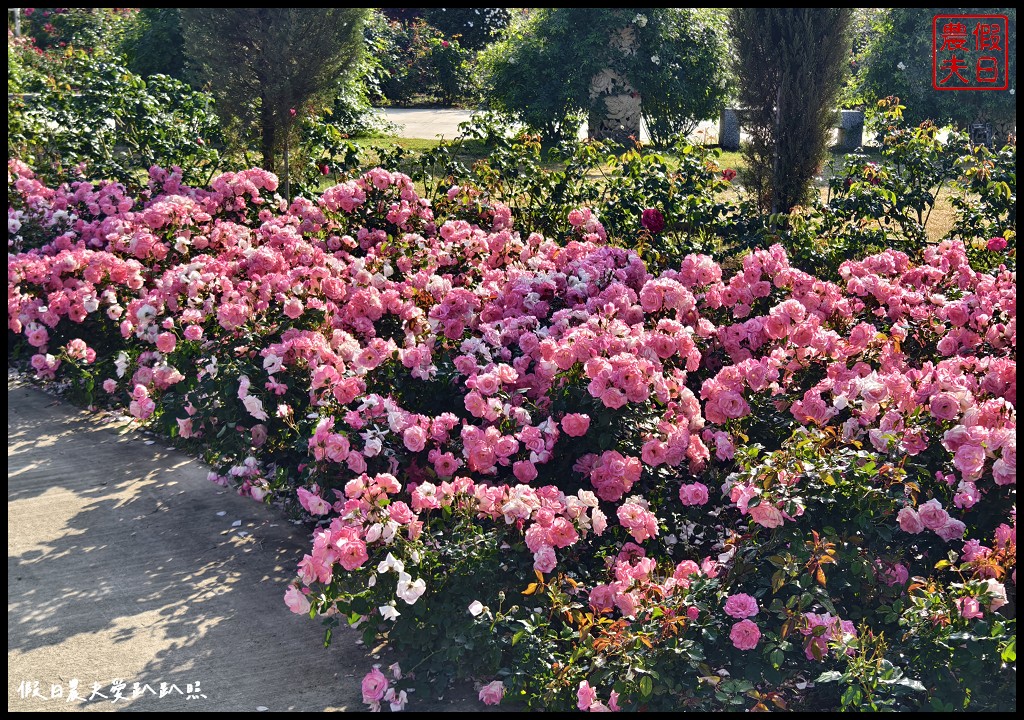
x=729, y=129
x=851, y=130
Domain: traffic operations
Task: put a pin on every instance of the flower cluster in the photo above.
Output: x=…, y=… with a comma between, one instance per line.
x=415, y=384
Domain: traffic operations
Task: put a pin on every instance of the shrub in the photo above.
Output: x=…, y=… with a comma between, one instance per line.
x=88, y=116
x=420, y=63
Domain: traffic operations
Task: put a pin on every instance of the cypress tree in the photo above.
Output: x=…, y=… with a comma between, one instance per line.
x=791, y=64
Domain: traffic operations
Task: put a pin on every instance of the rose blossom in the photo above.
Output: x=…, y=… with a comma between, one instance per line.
x=296, y=601
x=745, y=635
x=944, y=406
x=998, y=592
x=576, y=424
x=585, y=695
x=910, y=521
x=693, y=494
x=374, y=685
x=932, y=515
x=766, y=515
x=414, y=438
x=741, y=606
x=969, y=607
x=652, y=219
x=951, y=530
x=970, y=460
x=492, y=692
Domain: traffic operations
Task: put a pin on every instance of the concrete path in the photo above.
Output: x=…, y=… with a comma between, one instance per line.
x=124, y=563
x=444, y=123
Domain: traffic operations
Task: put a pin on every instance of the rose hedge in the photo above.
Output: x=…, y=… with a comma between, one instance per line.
x=537, y=464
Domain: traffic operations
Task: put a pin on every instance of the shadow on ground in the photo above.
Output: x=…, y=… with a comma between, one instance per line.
x=126, y=563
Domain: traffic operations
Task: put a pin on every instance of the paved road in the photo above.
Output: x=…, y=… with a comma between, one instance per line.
x=444, y=123
x=125, y=563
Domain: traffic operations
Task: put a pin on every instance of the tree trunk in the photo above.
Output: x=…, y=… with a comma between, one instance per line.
x=268, y=141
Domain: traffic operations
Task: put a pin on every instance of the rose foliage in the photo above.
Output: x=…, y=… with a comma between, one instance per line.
x=531, y=461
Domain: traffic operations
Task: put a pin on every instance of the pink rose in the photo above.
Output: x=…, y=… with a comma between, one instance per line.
x=293, y=308
x=996, y=244
x=951, y=530
x=998, y=592
x=1003, y=473
x=766, y=515
x=352, y=553
x=296, y=601
x=944, y=406
x=970, y=608
x=741, y=606
x=693, y=494
x=544, y=560
x=970, y=460
x=525, y=471
x=745, y=635
x=932, y=515
x=492, y=692
x=165, y=342
x=415, y=438
x=732, y=404
x=910, y=521
x=585, y=696
x=400, y=512
x=375, y=684
x=576, y=424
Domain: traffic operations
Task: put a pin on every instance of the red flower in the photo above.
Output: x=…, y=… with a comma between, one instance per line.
x=728, y=174
x=445, y=43
x=325, y=170
x=653, y=220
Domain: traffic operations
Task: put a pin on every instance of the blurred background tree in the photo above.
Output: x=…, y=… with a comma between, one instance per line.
x=542, y=73
x=897, y=60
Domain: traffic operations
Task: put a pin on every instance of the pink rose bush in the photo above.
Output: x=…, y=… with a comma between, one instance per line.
x=619, y=468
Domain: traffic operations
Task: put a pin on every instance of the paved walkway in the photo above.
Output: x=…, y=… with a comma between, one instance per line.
x=444, y=123
x=125, y=563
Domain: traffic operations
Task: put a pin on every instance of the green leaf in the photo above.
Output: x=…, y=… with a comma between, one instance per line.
x=646, y=686
x=912, y=684
x=829, y=676
x=1009, y=653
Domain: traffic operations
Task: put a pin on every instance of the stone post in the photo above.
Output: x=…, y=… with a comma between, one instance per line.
x=729, y=129
x=851, y=130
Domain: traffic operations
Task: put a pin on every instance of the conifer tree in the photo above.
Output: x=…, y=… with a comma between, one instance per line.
x=790, y=64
